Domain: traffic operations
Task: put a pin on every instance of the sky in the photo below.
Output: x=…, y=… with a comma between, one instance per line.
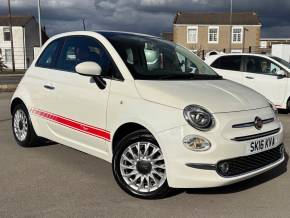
x=144, y=16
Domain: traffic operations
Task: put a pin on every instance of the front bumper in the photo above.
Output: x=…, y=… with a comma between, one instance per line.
x=244, y=165
x=177, y=156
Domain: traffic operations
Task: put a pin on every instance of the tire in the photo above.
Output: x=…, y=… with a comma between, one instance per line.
x=288, y=105
x=144, y=170
x=22, y=128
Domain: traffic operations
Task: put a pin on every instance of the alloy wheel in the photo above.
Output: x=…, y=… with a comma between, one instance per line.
x=20, y=125
x=142, y=167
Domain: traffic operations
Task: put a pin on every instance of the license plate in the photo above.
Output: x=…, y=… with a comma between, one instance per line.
x=260, y=145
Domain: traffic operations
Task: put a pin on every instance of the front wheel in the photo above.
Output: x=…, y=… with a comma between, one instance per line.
x=139, y=166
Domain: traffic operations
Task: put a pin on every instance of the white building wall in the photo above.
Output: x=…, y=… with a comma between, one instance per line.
x=19, y=50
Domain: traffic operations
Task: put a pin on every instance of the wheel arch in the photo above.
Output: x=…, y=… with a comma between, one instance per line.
x=22, y=97
x=288, y=103
x=15, y=102
x=124, y=130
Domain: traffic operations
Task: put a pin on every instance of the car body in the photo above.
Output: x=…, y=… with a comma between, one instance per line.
x=199, y=125
x=268, y=75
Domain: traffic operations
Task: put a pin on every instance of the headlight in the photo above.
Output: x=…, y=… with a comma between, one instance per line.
x=275, y=110
x=198, y=117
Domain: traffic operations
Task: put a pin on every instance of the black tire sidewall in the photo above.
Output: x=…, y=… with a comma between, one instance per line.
x=122, y=145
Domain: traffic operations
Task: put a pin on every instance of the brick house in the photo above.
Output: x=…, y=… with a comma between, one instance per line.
x=212, y=31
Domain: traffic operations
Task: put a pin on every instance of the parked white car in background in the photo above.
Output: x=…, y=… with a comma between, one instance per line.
x=155, y=110
x=268, y=75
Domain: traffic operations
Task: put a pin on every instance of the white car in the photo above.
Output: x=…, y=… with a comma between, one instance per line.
x=268, y=75
x=169, y=123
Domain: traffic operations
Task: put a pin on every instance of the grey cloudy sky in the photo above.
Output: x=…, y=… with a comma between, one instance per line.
x=146, y=16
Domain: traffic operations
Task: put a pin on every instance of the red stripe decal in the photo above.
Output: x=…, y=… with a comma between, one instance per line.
x=85, y=128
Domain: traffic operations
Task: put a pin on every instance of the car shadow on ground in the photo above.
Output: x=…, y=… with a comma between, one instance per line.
x=244, y=185
x=283, y=111
x=42, y=142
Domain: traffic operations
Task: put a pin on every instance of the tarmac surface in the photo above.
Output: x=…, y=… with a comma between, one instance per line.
x=10, y=78
x=57, y=181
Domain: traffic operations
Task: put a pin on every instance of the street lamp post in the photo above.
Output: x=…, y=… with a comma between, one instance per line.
x=244, y=38
x=84, y=24
x=231, y=27
x=39, y=25
x=11, y=37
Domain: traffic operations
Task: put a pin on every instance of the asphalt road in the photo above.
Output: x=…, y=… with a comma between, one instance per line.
x=56, y=181
x=10, y=79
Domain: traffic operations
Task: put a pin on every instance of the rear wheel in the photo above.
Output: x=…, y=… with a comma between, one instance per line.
x=288, y=105
x=22, y=128
x=139, y=167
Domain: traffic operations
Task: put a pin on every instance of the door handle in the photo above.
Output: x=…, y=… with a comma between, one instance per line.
x=249, y=77
x=50, y=87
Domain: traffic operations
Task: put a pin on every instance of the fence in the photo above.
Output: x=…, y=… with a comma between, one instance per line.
x=252, y=49
x=23, y=57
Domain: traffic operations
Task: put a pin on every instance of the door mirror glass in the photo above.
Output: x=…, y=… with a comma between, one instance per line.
x=89, y=68
x=281, y=74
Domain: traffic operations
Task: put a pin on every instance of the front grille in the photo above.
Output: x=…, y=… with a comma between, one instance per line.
x=256, y=136
x=249, y=124
x=242, y=165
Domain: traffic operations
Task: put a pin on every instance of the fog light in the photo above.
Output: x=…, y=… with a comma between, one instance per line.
x=224, y=167
x=196, y=143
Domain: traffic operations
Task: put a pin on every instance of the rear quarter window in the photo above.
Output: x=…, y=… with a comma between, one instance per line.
x=228, y=63
x=48, y=57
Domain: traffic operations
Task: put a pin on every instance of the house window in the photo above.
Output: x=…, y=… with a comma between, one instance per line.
x=237, y=51
x=213, y=34
x=8, y=55
x=237, y=35
x=263, y=44
x=192, y=33
x=6, y=33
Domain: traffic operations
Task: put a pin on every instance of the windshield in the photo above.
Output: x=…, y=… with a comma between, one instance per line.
x=281, y=61
x=150, y=58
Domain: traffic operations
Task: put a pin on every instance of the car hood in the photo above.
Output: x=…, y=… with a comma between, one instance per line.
x=218, y=96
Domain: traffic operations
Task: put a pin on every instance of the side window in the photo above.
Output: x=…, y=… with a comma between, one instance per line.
x=228, y=63
x=78, y=49
x=261, y=65
x=49, y=55
x=152, y=57
x=186, y=65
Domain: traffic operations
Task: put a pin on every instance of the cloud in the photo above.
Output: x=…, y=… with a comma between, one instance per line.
x=146, y=16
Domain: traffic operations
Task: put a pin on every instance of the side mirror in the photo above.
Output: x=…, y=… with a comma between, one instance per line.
x=281, y=74
x=89, y=68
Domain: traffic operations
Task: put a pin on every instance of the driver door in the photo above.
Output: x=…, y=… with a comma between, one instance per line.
x=76, y=106
x=260, y=75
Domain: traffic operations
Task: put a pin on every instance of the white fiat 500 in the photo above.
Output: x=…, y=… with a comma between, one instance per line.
x=155, y=110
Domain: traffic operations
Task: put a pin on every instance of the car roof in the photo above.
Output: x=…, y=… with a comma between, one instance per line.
x=212, y=58
x=241, y=54
x=108, y=34
x=103, y=33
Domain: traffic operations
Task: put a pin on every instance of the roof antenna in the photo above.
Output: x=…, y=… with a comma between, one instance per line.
x=84, y=23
